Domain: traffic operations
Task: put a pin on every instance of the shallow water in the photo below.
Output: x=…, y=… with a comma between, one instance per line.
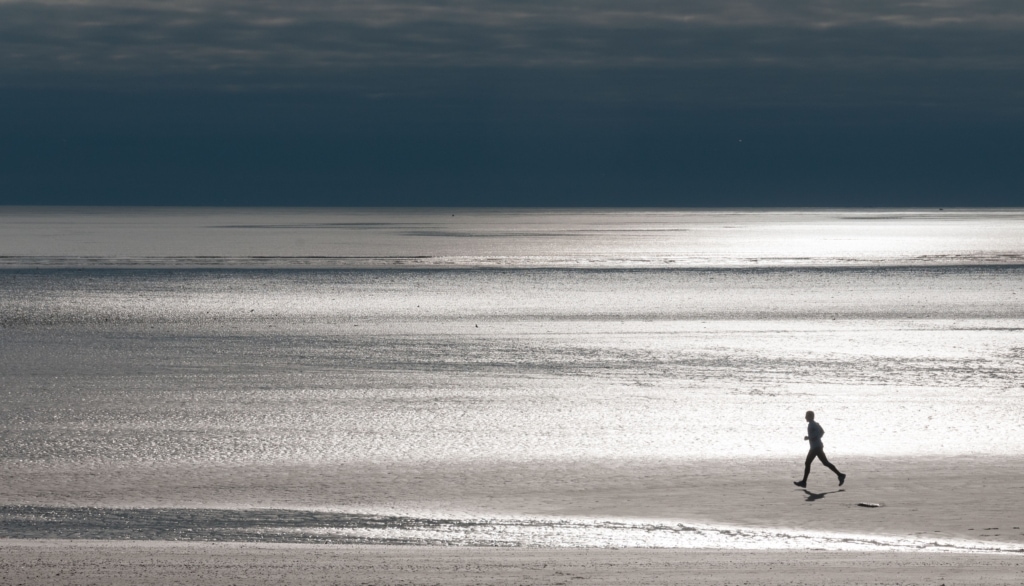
x=231, y=367
x=196, y=370
x=509, y=238
x=303, y=526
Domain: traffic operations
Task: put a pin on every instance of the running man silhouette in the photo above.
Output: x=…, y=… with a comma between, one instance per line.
x=814, y=433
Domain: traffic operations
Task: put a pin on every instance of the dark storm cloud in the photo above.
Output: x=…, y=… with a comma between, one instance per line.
x=259, y=40
x=401, y=102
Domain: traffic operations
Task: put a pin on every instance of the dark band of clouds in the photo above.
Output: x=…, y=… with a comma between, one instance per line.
x=257, y=40
x=402, y=102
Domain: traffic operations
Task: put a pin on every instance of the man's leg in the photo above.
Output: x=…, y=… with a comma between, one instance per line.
x=807, y=465
x=824, y=460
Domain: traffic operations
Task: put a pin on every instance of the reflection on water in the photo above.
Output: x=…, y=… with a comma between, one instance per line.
x=377, y=366
x=525, y=238
x=298, y=526
x=902, y=330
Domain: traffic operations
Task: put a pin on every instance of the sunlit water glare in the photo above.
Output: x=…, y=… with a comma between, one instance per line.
x=903, y=355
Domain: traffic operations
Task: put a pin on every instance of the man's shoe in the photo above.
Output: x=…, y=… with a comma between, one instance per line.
x=842, y=479
x=800, y=483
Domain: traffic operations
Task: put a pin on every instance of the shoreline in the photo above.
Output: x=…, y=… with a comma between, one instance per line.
x=962, y=498
x=310, y=527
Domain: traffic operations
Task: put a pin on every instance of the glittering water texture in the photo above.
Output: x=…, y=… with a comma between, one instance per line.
x=290, y=526
x=511, y=238
x=383, y=366
x=364, y=390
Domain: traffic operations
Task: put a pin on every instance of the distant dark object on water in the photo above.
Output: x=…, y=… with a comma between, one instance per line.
x=869, y=505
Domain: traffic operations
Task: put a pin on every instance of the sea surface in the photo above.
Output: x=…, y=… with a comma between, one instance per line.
x=437, y=376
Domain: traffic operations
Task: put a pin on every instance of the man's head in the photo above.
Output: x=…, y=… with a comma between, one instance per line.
x=809, y=417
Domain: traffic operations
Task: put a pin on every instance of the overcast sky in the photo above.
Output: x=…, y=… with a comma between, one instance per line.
x=699, y=103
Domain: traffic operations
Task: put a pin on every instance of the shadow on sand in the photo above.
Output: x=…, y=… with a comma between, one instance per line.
x=813, y=496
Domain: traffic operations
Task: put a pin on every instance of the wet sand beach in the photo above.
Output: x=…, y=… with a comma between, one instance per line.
x=596, y=402
x=144, y=563
x=928, y=501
